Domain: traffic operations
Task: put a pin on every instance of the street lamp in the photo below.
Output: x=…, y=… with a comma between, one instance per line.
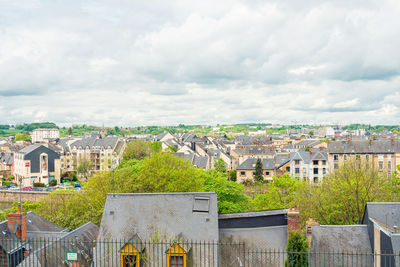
x=113, y=165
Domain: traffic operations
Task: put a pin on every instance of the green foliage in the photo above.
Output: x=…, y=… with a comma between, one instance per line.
x=230, y=194
x=38, y=184
x=22, y=137
x=220, y=165
x=7, y=183
x=32, y=126
x=279, y=194
x=140, y=149
x=4, y=126
x=84, y=166
x=172, y=149
x=343, y=195
x=232, y=175
x=297, y=244
x=70, y=131
x=53, y=182
x=311, y=133
x=258, y=173
x=25, y=207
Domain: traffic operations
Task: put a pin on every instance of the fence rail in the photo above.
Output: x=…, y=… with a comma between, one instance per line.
x=48, y=252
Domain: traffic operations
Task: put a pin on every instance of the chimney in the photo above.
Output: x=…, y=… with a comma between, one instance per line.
x=17, y=223
x=309, y=223
x=293, y=219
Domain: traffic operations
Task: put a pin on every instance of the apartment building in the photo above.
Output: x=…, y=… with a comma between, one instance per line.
x=381, y=154
x=100, y=151
x=37, y=163
x=309, y=165
x=44, y=134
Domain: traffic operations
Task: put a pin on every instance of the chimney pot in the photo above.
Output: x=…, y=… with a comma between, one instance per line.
x=293, y=218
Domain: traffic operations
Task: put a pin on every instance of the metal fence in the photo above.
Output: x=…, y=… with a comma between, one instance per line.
x=135, y=252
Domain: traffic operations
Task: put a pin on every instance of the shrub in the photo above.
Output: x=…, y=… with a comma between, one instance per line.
x=53, y=182
x=297, y=250
x=38, y=184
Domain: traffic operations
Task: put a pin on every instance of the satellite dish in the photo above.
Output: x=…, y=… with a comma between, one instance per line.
x=15, y=228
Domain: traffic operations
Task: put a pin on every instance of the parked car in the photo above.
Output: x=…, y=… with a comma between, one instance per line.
x=27, y=188
x=38, y=189
x=14, y=188
x=77, y=186
x=3, y=187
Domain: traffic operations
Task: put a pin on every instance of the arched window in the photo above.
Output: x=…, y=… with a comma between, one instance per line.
x=176, y=256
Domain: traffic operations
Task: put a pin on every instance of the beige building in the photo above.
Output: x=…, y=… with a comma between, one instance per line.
x=276, y=166
x=381, y=154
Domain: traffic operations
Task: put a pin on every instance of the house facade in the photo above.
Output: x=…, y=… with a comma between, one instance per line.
x=43, y=134
x=36, y=163
x=310, y=165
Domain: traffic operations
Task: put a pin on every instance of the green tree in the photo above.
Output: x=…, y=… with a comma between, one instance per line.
x=22, y=137
x=279, y=194
x=84, y=166
x=230, y=194
x=220, y=165
x=25, y=207
x=232, y=175
x=70, y=131
x=258, y=173
x=297, y=250
x=343, y=194
x=140, y=149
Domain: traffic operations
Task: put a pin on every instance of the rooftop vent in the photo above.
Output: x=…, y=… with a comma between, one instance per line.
x=201, y=204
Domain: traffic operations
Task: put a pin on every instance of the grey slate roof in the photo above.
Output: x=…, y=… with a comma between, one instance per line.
x=37, y=223
x=373, y=147
x=347, y=238
x=28, y=149
x=268, y=163
x=56, y=251
x=96, y=142
x=387, y=213
x=8, y=240
x=308, y=156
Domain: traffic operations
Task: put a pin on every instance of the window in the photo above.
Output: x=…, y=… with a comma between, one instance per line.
x=380, y=165
x=176, y=256
x=297, y=170
x=267, y=173
x=129, y=261
x=242, y=173
x=297, y=162
x=315, y=170
x=344, y=158
x=335, y=157
x=323, y=171
x=336, y=166
x=324, y=162
x=288, y=169
x=389, y=165
x=358, y=157
x=315, y=180
x=315, y=162
x=130, y=256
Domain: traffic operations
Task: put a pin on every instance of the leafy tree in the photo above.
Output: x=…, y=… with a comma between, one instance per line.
x=220, y=165
x=172, y=149
x=22, y=137
x=342, y=197
x=84, y=166
x=25, y=207
x=230, y=194
x=232, y=175
x=311, y=133
x=297, y=250
x=279, y=194
x=258, y=173
x=70, y=131
x=139, y=149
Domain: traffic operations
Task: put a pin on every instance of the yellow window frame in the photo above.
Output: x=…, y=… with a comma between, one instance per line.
x=130, y=249
x=176, y=251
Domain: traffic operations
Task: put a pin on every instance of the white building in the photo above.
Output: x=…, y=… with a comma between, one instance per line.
x=43, y=134
x=309, y=166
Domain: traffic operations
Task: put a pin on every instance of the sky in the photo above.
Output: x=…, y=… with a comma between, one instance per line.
x=130, y=63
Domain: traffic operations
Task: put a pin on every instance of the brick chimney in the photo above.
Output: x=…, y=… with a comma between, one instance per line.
x=293, y=218
x=309, y=223
x=18, y=219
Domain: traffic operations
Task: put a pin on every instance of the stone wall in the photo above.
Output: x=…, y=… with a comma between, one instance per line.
x=12, y=196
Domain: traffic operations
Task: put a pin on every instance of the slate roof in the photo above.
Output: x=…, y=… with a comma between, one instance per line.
x=28, y=149
x=8, y=240
x=337, y=238
x=387, y=213
x=37, y=223
x=307, y=157
x=250, y=163
x=96, y=142
x=255, y=151
x=56, y=250
x=360, y=147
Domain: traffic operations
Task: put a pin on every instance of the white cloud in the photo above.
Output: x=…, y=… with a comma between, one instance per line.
x=141, y=63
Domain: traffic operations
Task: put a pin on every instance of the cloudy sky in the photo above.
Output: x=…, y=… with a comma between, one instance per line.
x=126, y=62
